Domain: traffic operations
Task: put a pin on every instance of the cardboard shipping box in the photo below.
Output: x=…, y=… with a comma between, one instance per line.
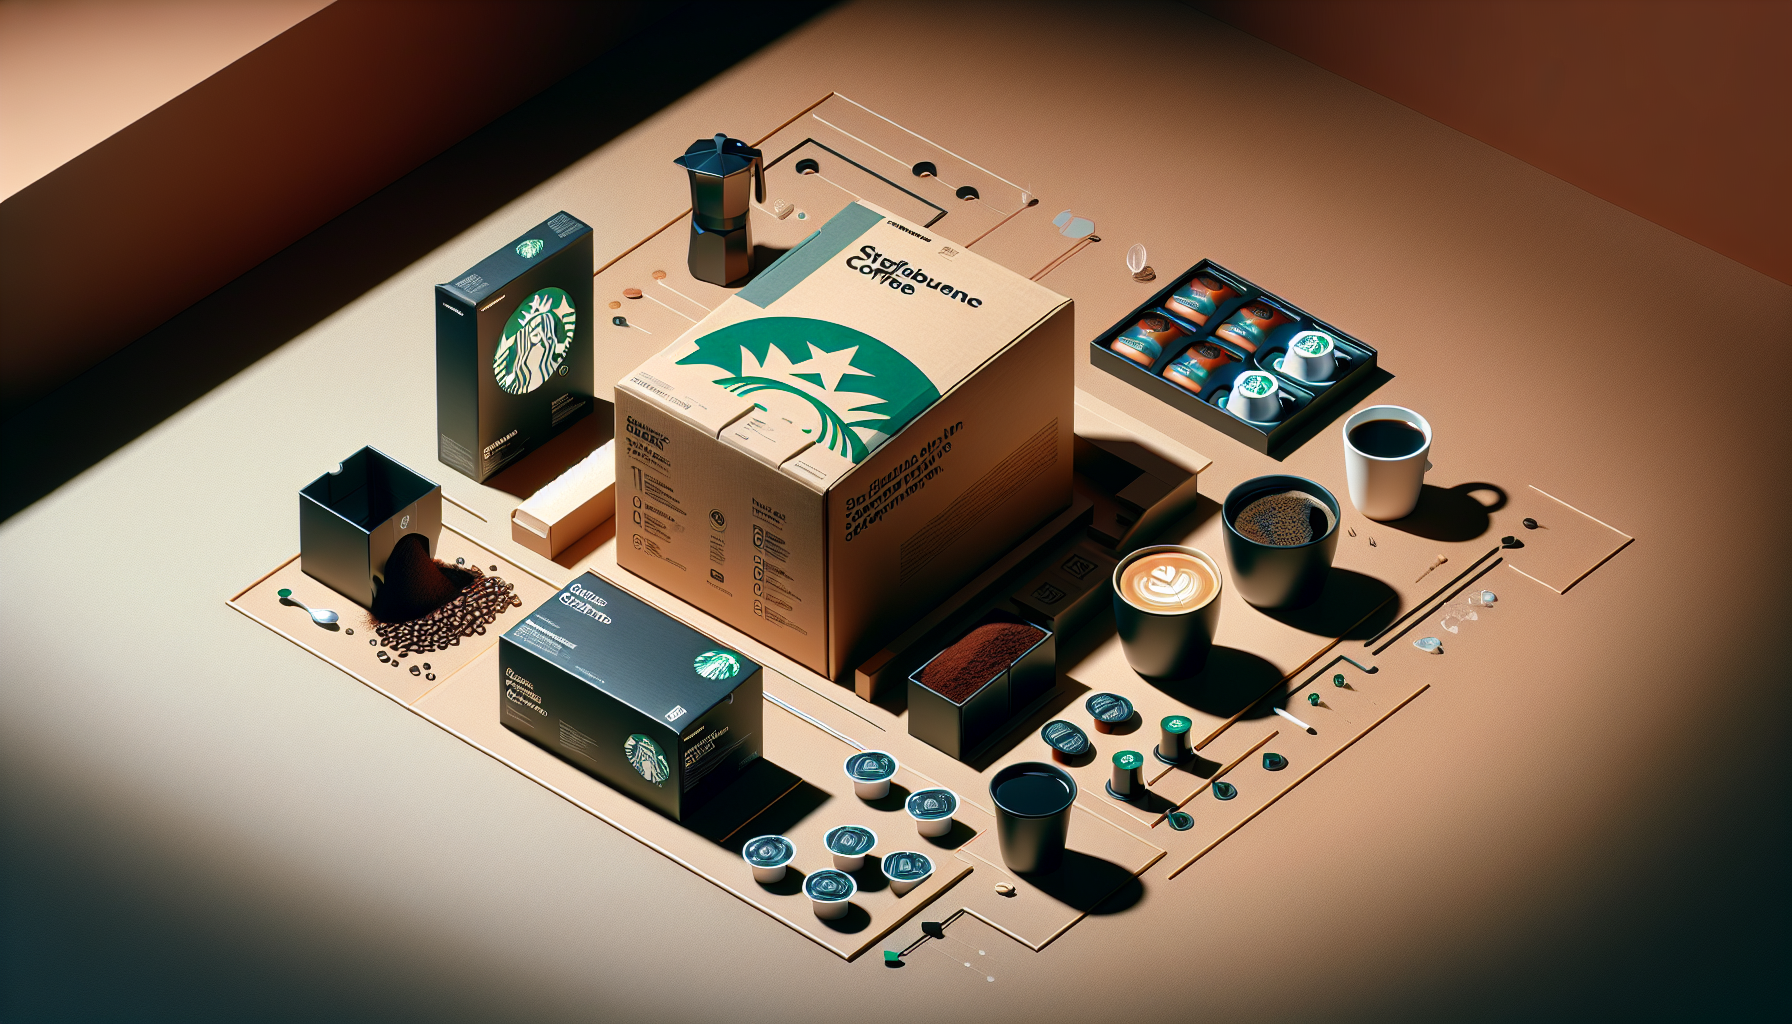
x=848, y=439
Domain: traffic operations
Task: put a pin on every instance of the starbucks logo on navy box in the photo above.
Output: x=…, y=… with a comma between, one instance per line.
x=646, y=758
x=536, y=340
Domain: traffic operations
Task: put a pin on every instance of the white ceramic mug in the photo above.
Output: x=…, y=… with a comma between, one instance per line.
x=1386, y=488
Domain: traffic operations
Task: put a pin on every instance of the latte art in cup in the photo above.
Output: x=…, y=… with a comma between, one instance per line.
x=1168, y=581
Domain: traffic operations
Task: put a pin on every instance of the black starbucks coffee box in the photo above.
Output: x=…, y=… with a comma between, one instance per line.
x=513, y=348
x=631, y=695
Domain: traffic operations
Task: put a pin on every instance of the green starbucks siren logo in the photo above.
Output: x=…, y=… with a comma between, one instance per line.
x=1314, y=344
x=646, y=758
x=1256, y=384
x=848, y=391
x=717, y=665
x=536, y=340
x=528, y=249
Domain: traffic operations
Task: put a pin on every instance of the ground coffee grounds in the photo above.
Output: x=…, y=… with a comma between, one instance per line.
x=961, y=669
x=415, y=583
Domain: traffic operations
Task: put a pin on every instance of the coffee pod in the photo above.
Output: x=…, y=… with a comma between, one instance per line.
x=829, y=892
x=871, y=772
x=1145, y=340
x=849, y=844
x=1172, y=745
x=932, y=810
x=1066, y=740
x=1199, y=297
x=1192, y=368
x=768, y=856
x=1255, y=396
x=1312, y=356
x=1250, y=326
x=906, y=869
x=1108, y=710
x=1128, y=781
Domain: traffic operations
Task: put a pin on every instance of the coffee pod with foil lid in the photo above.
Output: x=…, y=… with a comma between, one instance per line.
x=1108, y=710
x=1172, y=745
x=830, y=892
x=1146, y=339
x=849, y=844
x=932, y=810
x=1255, y=396
x=1066, y=740
x=768, y=856
x=1199, y=297
x=871, y=772
x=1128, y=782
x=906, y=869
x=1312, y=356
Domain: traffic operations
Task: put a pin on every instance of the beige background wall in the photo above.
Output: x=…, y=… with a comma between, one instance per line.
x=1678, y=111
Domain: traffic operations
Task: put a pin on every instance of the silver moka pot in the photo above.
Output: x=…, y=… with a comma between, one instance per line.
x=721, y=241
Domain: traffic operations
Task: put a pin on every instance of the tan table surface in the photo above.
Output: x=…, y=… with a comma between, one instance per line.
x=1579, y=807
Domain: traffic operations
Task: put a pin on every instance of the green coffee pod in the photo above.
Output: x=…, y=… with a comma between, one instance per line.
x=1129, y=759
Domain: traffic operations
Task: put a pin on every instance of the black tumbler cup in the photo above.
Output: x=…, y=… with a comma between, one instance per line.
x=1166, y=644
x=1275, y=575
x=1033, y=801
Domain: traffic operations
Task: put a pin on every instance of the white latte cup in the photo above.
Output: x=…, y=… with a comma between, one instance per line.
x=1384, y=487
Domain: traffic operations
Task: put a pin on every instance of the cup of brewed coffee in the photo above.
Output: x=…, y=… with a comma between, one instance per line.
x=1281, y=534
x=1386, y=453
x=1166, y=609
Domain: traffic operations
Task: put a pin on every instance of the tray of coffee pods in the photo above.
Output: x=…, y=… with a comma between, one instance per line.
x=1234, y=356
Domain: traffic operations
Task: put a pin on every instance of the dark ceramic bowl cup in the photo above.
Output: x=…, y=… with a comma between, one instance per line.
x=1274, y=576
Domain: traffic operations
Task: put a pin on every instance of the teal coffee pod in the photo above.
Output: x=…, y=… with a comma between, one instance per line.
x=1108, y=710
x=849, y=844
x=932, y=810
x=906, y=869
x=830, y=892
x=1128, y=781
x=1066, y=740
x=1311, y=356
x=1255, y=396
x=768, y=856
x=871, y=772
x=1173, y=744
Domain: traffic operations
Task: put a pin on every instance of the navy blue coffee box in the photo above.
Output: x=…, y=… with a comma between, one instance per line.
x=631, y=695
x=514, y=361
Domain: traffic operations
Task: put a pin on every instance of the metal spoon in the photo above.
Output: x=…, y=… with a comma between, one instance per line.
x=321, y=616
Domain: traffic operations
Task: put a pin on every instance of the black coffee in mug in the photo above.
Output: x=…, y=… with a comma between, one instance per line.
x=1387, y=439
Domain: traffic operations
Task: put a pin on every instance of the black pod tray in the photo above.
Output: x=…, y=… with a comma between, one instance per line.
x=1303, y=402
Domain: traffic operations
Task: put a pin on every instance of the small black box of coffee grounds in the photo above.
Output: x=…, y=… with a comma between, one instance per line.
x=631, y=695
x=514, y=361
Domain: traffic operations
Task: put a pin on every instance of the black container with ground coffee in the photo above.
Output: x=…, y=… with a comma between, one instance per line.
x=1281, y=534
x=969, y=693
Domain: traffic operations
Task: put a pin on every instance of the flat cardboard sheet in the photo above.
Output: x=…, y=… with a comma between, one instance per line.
x=1100, y=860
x=357, y=652
x=801, y=785
x=1567, y=545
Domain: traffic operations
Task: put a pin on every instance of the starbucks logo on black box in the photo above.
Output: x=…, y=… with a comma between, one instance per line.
x=536, y=341
x=647, y=759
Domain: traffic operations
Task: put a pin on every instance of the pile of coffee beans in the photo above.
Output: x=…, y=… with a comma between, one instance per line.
x=467, y=615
